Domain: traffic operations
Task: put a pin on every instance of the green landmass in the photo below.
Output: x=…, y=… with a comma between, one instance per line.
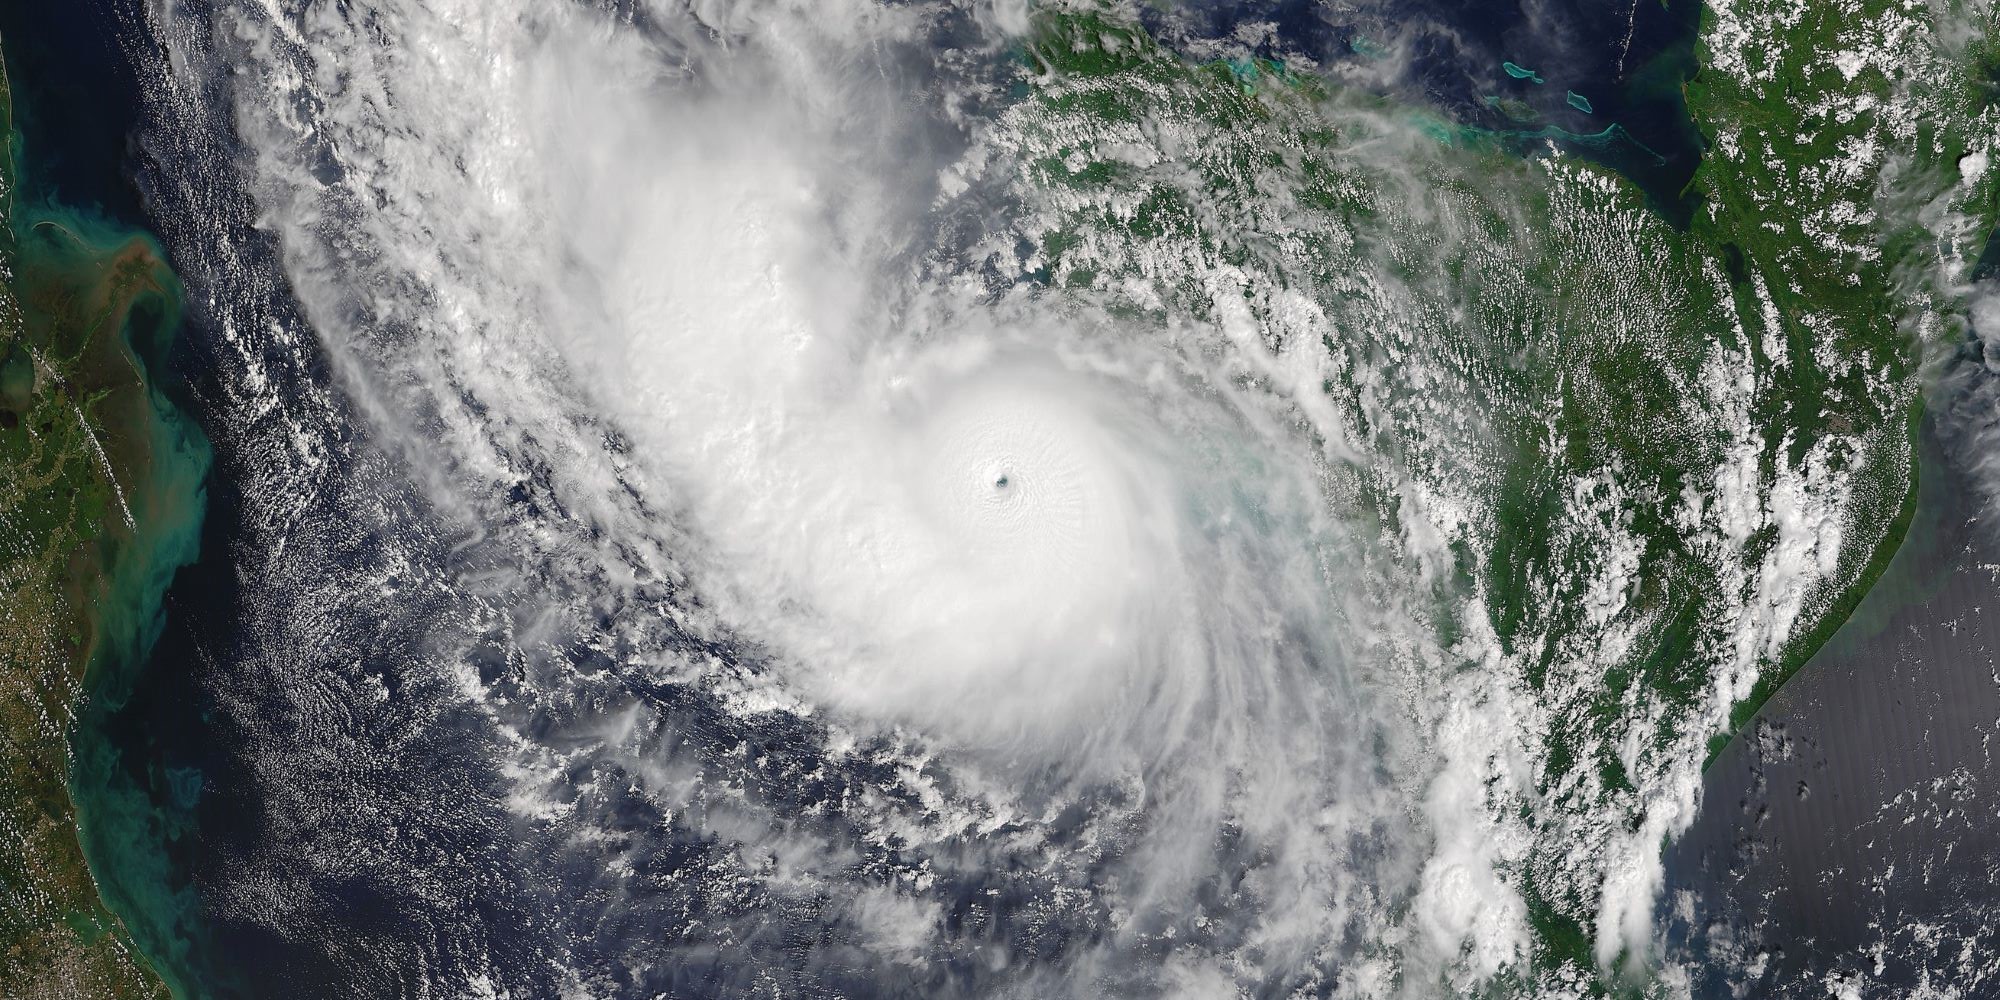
x=95, y=471
x=1642, y=464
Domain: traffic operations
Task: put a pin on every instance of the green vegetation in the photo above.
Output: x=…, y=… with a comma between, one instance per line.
x=1838, y=138
x=95, y=470
x=1642, y=467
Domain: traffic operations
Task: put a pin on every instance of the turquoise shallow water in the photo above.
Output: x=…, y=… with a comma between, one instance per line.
x=74, y=108
x=126, y=838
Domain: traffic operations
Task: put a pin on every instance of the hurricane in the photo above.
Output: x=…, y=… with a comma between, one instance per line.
x=680, y=288
x=835, y=498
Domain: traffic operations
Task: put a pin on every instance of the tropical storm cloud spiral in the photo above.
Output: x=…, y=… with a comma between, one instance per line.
x=970, y=498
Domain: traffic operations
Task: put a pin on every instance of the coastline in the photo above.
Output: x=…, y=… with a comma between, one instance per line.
x=104, y=477
x=1880, y=744
x=125, y=839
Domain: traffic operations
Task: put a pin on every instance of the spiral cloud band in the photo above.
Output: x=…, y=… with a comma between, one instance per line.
x=815, y=592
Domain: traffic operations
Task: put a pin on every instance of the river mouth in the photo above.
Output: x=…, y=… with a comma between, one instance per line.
x=101, y=314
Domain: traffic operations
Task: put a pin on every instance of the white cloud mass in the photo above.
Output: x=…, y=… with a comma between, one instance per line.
x=834, y=567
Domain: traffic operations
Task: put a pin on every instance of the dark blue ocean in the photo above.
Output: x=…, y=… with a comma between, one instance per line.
x=77, y=110
x=1600, y=79
x=1583, y=69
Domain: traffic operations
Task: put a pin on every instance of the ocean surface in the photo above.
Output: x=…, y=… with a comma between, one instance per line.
x=177, y=802
x=1849, y=830
x=75, y=108
x=1513, y=69
x=76, y=104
